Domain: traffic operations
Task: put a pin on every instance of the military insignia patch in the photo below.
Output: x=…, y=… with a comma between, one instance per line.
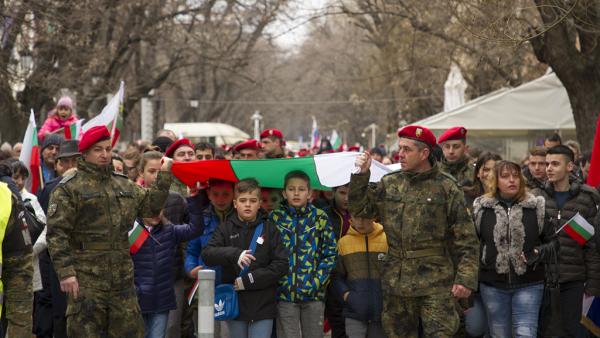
x=418, y=132
x=52, y=209
x=381, y=257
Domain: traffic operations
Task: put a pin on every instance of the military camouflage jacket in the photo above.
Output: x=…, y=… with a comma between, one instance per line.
x=462, y=171
x=89, y=216
x=428, y=228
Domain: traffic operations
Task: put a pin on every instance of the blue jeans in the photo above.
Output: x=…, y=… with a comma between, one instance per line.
x=475, y=320
x=512, y=310
x=246, y=329
x=155, y=324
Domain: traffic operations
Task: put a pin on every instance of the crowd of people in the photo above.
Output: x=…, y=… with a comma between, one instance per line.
x=457, y=243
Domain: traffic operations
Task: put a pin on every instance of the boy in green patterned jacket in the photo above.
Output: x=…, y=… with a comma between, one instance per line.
x=309, y=238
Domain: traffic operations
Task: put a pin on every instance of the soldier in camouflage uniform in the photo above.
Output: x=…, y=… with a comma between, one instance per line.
x=89, y=216
x=455, y=162
x=428, y=228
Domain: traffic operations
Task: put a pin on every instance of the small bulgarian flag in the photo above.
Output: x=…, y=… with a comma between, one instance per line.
x=137, y=236
x=111, y=116
x=579, y=229
x=73, y=130
x=30, y=155
x=325, y=171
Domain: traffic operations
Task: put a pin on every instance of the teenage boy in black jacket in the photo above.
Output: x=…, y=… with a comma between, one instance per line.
x=229, y=247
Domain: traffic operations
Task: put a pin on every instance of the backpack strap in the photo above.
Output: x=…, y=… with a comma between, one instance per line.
x=257, y=232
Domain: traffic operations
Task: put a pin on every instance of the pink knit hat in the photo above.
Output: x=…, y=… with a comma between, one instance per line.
x=65, y=101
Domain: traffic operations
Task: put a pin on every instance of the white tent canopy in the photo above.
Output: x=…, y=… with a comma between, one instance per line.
x=221, y=132
x=542, y=104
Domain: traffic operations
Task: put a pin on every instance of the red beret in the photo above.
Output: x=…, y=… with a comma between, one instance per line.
x=93, y=136
x=454, y=133
x=418, y=133
x=271, y=132
x=179, y=143
x=250, y=144
x=354, y=148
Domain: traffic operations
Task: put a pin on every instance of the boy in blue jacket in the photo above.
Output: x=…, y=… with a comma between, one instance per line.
x=307, y=235
x=153, y=261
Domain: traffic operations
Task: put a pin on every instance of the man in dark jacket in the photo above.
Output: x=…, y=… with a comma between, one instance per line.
x=578, y=266
x=339, y=217
x=535, y=172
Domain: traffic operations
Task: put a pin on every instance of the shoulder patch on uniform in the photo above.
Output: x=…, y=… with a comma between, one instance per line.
x=69, y=176
x=52, y=209
x=119, y=175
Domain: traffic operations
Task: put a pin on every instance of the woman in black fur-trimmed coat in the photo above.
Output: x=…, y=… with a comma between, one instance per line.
x=514, y=237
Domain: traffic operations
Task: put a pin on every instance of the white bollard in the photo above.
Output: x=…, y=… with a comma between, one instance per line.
x=206, y=304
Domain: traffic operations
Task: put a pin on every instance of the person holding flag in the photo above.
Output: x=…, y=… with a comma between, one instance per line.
x=59, y=119
x=578, y=259
x=89, y=216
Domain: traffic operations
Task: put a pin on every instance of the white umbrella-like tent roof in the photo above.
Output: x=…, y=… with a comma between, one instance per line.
x=221, y=132
x=542, y=104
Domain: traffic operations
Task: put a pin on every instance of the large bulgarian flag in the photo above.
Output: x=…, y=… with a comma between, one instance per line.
x=579, y=229
x=137, y=236
x=30, y=155
x=111, y=116
x=325, y=171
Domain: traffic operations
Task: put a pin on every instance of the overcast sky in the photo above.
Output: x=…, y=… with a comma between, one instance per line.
x=292, y=32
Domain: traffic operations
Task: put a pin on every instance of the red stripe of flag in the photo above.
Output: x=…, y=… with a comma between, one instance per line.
x=200, y=171
x=575, y=235
x=593, y=178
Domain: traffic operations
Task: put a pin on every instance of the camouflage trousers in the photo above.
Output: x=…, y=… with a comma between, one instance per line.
x=104, y=314
x=18, y=296
x=400, y=316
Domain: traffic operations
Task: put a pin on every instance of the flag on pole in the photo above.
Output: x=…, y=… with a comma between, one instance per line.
x=111, y=116
x=30, y=155
x=73, y=130
x=137, y=236
x=593, y=178
x=336, y=140
x=579, y=229
x=315, y=140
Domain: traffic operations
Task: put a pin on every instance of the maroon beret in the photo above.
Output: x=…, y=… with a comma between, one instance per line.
x=454, y=133
x=250, y=144
x=418, y=133
x=93, y=136
x=354, y=148
x=271, y=132
x=179, y=143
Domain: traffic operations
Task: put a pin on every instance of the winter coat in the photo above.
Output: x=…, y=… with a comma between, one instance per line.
x=258, y=300
x=153, y=265
x=310, y=241
x=358, y=271
x=211, y=221
x=53, y=123
x=575, y=262
x=505, y=232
